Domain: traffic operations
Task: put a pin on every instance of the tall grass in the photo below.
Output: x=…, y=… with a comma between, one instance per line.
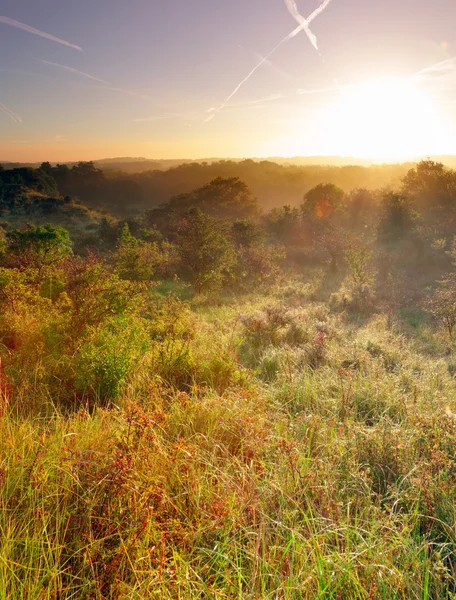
x=304, y=457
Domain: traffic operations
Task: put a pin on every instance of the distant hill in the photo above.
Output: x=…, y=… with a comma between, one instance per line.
x=130, y=165
x=129, y=186
x=31, y=195
x=81, y=222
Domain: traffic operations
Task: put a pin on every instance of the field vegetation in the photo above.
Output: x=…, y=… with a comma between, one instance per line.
x=220, y=397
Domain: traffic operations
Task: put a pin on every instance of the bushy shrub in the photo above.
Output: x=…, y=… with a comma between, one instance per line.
x=172, y=329
x=138, y=260
x=258, y=264
x=262, y=328
x=442, y=305
x=108, y=356
x=37, y=247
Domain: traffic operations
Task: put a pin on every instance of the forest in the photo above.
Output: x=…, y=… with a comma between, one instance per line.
x=129, y=188
x=228, y=380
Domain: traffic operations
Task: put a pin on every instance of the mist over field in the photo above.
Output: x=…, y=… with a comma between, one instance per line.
x=193, y=374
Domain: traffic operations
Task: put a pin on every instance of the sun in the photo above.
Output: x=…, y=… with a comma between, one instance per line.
x=385, y=119
x=381, y=120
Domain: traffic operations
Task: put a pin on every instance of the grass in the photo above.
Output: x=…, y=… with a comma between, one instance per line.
x=314, y=458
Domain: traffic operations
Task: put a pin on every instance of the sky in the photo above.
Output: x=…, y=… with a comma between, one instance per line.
x=90, y=79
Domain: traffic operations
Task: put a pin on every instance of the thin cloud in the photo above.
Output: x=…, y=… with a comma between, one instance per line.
x=270, y=98
x=29, y=29
x=158, y=118
x=72, y=70
x=9, y=113
x=323, y=90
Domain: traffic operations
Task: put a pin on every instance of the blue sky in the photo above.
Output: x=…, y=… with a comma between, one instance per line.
x=157, y=68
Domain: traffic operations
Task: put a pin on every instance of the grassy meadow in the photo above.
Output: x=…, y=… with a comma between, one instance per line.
x=310, y=456
x=211, y=402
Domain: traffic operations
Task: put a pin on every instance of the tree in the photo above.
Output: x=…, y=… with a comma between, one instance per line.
x=46, y=167
x=360, y=208
x=33, y=179
x=396, y=215
x=222, y=198
x=284, y=223
x=321, y=202
x=108, y=233
x=431, y=186
x=205, y=249
x=246, y=233
x=137, y=260
x=37, y=247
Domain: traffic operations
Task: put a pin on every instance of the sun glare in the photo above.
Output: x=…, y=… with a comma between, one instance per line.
x=385, y=119
x=388, y=119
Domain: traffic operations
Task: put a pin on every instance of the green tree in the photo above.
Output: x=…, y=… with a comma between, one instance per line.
x=396, y=216
x=37, y=247
x=206, y=250
x=137, y=260
x=321, y=202
x=361, y=208
x=431, y=186
x=222, y=198
x=246, y=233
x=284, y=223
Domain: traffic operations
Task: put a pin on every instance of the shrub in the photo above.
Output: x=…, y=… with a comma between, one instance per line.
x=109, y=356
x=259, y=264
x=442, y=305
x=262, y=328
x=137, y=260
x=37, y=247
x=171, y=328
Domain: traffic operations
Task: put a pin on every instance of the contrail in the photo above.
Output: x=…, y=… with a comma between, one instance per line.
x=106, y=84
x=303, y=26
x=242, y=104
x=304, y=23
x=238, y=87
x=130, y=93
x=9, y=113
x=440, y=67
x=322, y=90
x=24, y=27
x=47, y=62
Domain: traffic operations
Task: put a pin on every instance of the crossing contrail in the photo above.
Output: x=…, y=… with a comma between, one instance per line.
x=48, y=36
x=304, y=23
x=303, y=26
